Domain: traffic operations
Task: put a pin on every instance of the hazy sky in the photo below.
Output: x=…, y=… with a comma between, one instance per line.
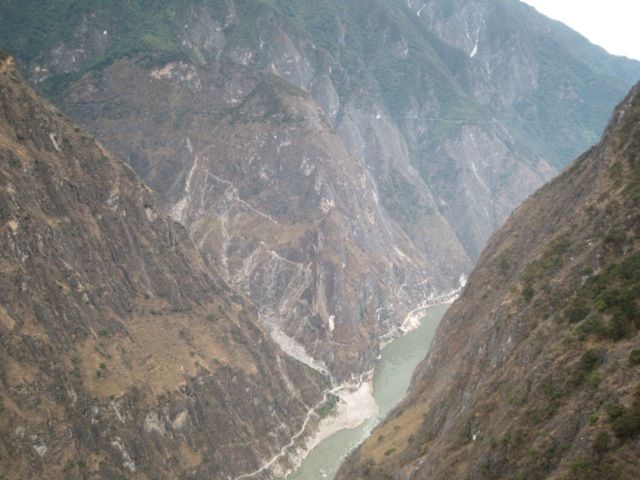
x=612, y=24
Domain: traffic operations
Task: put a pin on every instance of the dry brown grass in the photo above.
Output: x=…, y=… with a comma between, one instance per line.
x=159, y=352
x=393, y=435
x=6, y=320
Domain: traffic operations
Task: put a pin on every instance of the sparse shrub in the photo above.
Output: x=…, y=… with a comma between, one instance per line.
x=578, y=311
x=329, y=406
x=626, y=421
x=550, y=390
x=594, y=468
x=592, y=380
x=486, y=467
x=590, y=360
x=616, y=238
x=602, y=443
x=391, y=451
x=504, y=265
x=588, y=271
x=528, y=292
x=620, y=328
x=630, y=268
x=14, y=162
x=592, y=326
x=601, y=305
x=551, y=259
x=613, y=292
x=634, y=357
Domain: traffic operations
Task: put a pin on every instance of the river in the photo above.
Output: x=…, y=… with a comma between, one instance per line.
x=390, y=384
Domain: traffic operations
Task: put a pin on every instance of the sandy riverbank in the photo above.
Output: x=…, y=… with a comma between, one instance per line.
x=355, y=407
x=356, y=403
x=390, y=383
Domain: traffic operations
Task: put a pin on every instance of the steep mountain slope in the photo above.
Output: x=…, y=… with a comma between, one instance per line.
x=122, y=356
x=534, y=370
x=276, y=203
x=451, y=142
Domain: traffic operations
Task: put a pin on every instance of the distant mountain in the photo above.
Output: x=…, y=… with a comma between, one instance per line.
x=121, y=354
x=436, y=119
x=534, y=372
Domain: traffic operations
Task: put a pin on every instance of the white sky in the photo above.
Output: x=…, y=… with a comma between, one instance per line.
x=612, y=24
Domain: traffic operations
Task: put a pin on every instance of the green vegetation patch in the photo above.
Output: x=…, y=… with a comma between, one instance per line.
x=634, y=357
x=594, y=468
x=614, y=294
x=328, y=407
x=586, y=372
x=578, y=310
x=625, y=421
x=140, y=28
x=550, y=261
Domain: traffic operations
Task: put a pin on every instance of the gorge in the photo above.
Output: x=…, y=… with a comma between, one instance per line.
x=390, y=382
x=318, y=174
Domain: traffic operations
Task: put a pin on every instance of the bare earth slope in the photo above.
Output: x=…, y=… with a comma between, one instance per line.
x=121, y=356
x=534, y=370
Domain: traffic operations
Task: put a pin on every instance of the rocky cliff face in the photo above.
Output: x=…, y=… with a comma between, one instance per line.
x=122, y=355
x=534, y=370
x=437, y=117
x=274, y=200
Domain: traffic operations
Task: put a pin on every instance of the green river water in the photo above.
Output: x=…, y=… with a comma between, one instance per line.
x=390, y=383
